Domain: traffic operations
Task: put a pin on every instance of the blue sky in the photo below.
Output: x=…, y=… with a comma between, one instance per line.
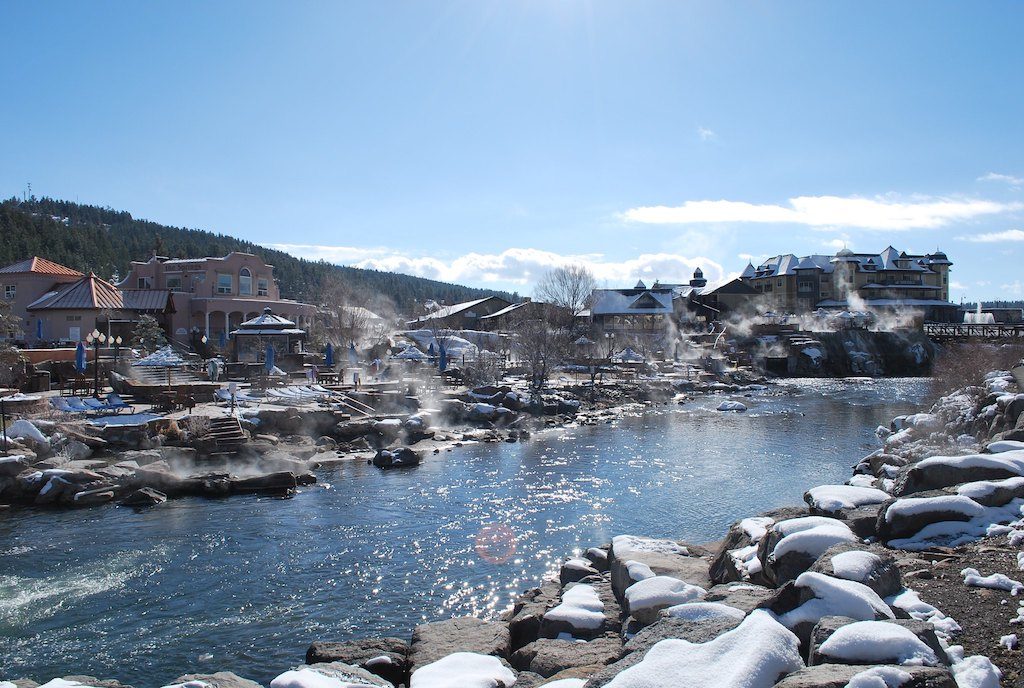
x=484, y=142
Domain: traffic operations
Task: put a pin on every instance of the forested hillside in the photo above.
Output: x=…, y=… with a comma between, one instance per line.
x=103, y=240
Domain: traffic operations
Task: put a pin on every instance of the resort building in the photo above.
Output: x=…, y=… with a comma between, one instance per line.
x=25, y=282
x=71, y=311
x=461, y=316
x=214, y=296
x=888, y=281
x=644, y=309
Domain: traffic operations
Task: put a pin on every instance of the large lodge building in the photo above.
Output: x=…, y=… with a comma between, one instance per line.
x=888, y=281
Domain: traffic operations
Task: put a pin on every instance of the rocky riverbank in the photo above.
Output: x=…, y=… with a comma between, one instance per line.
x=64, y=463
x=891, y=579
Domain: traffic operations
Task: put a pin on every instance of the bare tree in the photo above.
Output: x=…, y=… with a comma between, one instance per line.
x=569, y=288
x=536, y=345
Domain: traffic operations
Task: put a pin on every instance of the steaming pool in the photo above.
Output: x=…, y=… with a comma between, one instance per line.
x=245, y=584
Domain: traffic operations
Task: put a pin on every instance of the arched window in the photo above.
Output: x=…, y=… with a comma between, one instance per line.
x=245, y=282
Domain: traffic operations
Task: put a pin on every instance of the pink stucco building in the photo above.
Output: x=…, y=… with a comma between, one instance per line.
x=216, y=295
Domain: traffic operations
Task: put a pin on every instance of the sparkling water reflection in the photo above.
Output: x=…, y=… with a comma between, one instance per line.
x=146, y=596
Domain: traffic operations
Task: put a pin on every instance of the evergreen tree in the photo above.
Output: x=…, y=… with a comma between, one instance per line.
x=148, y=336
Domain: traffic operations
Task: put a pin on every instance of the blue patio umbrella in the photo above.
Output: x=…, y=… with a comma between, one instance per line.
x=269, y=363
x=329, y=355
x=442, y=363
x=430, y=350
x=39, y=328
x=353, y=357
x=80, y=357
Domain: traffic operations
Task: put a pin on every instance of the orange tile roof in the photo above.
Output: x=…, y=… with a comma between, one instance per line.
x=40, y=266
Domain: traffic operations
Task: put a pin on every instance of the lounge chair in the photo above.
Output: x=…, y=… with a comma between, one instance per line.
x=77, y=405
x=96, y=406
x=241, y=398
x=117, y=404
x=61, y=404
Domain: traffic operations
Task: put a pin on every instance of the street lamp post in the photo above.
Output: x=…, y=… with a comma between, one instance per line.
x=96, y=338
x=117, y=347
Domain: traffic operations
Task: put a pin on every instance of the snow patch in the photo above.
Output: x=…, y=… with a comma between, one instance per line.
x=463, y=670
x=996, y=581
x=832, y=498
x=877, y=642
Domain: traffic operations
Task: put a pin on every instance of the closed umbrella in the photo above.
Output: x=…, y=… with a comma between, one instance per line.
x=353, y=357
x=329, y=355
x=269, y=363
x=39, y=328
x=443, y=361
x=80, y=357
x=223, y=340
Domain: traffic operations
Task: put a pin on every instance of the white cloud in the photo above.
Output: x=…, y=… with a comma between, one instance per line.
x=751, y=258
x=995, y=237
x=518, y=266
x=836, y=244
x=706, y=134
x=885, y=213
x=996, y=177
x=1015, y=288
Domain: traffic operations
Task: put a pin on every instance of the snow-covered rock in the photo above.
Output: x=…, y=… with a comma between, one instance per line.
x=332, y=675
x=832, y=498
x=732, y=406
x=792, y=546
x=756, y=654
x=463, y=670
x=908, y=515
x=581, y=610
x=660, y=557
x=821, y=595
x=936, y=472
x=645, y=598
x=870, y=565
x=993, y=492
x=875, y=642
x=702, y=611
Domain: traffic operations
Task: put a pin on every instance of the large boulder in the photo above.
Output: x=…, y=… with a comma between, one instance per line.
x=11, y=466
x=329, y=674
x=528, y=613
x=464, y=670
x=743, y=596
x=683, y=629
x=646, y=598
x=400, y=457
x=891, y=641
x=385, y=657
x=906, y=516
x=871, y=565
x=790, y=547
x=840, y=675
x=660, y=557
x=735, y=557
x=548, y=657
x=274, y=483
x=220, y=679
x=433, y=641
x=937, y=472
x=585, y=610
x=575, y=569
x=145, y=496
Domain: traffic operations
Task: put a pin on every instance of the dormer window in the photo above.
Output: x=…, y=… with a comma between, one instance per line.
x=245, y=282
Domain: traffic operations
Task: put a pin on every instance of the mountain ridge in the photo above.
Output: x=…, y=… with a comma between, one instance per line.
x=105, y=241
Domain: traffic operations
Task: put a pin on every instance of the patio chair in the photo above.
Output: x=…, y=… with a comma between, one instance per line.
x=96, y=406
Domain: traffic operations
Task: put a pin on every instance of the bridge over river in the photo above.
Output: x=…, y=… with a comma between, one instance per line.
x=947, y=332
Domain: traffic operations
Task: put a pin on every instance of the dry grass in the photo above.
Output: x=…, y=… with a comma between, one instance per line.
x=196, y=427
x=963, y=365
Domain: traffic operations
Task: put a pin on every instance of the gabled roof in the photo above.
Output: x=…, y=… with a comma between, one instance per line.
x=455, y=309
x=748, y=271
x=40, y=266
x=93, y=293
x=631, y=301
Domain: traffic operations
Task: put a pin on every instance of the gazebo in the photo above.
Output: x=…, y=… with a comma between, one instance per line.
x=254, y=336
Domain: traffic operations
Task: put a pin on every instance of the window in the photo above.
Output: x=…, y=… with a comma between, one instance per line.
x=144, y=283
x=223, y=283
x=263, y=286
x=74, y=318
x=174, y=283
x=10, y=291
x=779, y=283
x=245, y=282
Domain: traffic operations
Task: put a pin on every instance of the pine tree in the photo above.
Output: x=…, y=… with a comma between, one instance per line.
x=148, y=335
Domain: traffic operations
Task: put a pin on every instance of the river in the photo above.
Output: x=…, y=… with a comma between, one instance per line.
x=245, y=584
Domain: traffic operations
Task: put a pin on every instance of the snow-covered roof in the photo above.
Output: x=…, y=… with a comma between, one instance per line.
x=455, y=309
x=631, y=301
x=889, y=259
